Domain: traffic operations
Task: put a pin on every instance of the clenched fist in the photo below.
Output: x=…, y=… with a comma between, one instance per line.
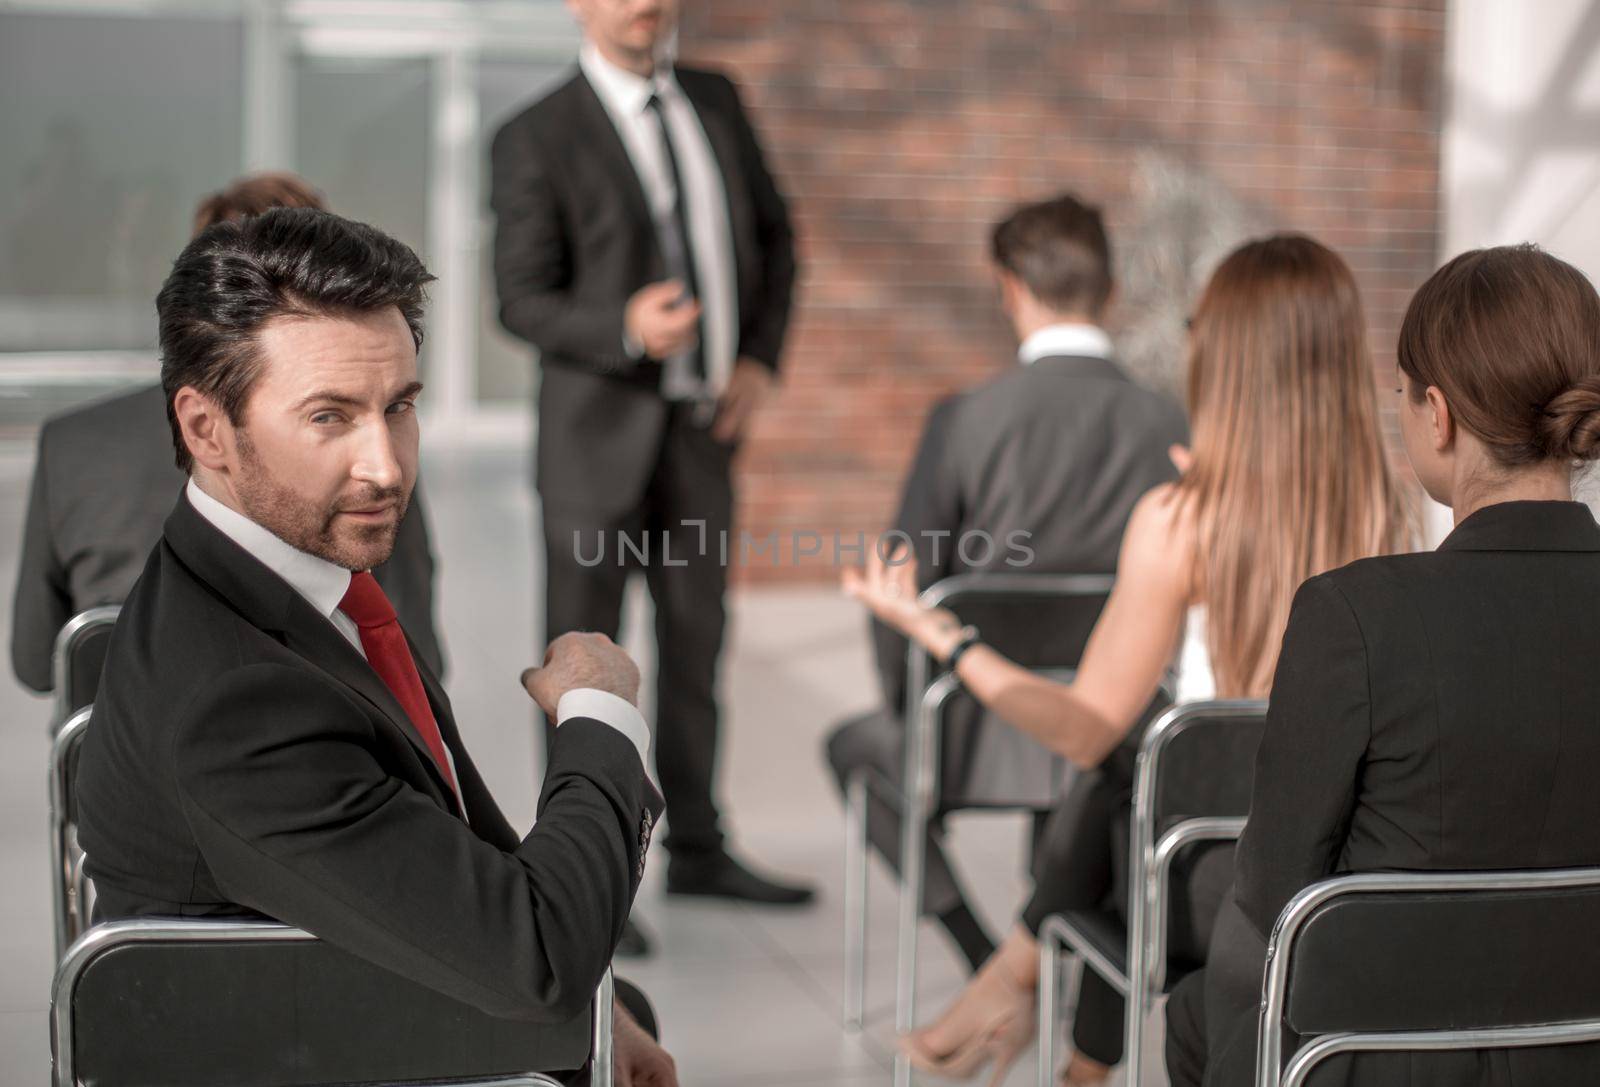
x=660, y=319
x=581, y=660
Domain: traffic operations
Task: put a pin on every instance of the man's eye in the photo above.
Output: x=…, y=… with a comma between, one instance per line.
x=401, y=407
x=325, y=418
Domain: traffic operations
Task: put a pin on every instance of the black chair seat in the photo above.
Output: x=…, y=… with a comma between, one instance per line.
x=1105, y=933
x=289, y=1014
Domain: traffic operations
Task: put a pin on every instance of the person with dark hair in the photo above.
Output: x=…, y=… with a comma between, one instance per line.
x=643, y=248
x=1059, y=449
x=267, y=741
x=105, y=479
x=1438, y=711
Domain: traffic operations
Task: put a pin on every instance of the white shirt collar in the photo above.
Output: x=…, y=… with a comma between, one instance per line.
x=321, y=582
x=623, y=93
x=1075, y=340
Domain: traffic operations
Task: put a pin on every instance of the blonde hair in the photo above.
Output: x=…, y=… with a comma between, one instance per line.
x=1290, y=477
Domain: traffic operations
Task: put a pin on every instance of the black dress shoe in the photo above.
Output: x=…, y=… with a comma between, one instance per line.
x=634, y=943
x=717, y=875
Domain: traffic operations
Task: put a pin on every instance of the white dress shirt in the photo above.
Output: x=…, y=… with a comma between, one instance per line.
x=626, y=99
x=323, y=584
x=1076, y=340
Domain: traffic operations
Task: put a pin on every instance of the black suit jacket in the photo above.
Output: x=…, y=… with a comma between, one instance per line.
x=103, y=483
x=1430, y=711
x=245, y=759
x=574, y=240
x=1060, y=450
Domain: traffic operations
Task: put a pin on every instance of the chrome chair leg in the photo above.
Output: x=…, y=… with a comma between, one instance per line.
x=855, y=902
x=604, y=1072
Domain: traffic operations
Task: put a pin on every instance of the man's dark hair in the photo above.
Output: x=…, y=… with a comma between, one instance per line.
x=236, y=276
x=1058, y=249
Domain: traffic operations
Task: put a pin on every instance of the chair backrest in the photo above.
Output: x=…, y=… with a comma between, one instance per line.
x=1191, y=790
x=156, y=1003
x=79, y=656
x=1452, y=954
x=67, y=888
x=1197, y=761
x=1040, y=621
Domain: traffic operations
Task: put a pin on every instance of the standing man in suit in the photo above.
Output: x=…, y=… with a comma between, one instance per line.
x=104, y=481
x=1057, y=450
x=266, y=739
x=643, y=248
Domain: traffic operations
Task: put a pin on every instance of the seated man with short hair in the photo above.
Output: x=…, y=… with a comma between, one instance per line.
x=104, y=481
x=267, y=741
x=1035, y=471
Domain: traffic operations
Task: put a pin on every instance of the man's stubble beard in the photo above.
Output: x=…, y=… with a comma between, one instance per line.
x=312, y=528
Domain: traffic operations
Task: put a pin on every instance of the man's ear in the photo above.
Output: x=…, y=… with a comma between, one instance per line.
x=1444, y=423
x=205, y=428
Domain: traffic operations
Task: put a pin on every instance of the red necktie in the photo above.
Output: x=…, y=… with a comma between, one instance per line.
x=390, y=657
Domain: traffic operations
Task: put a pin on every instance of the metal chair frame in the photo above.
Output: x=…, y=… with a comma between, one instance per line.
x=78, y=629
x=1270, y=1069
x=106, y=937
x=924, y=713
x=1149, y=871
x=69, y=886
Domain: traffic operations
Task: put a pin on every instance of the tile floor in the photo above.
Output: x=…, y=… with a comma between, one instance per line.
x=747, y=997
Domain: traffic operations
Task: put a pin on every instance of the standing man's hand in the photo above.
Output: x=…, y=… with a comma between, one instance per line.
x=581, y=660
x=660, y=320
x=748, y=386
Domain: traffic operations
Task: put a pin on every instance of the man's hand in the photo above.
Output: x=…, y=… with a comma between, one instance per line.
x=582, y=660
x=660, y=320
x=640, y=1060
x=747, y=388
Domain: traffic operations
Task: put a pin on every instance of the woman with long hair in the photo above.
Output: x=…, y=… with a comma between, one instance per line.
x=1287, y=478
x=1438, y=711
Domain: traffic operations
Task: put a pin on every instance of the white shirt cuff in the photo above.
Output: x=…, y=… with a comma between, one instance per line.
x=609, y=709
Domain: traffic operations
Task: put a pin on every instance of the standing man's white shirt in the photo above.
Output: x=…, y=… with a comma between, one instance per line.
x=323, y=584
x=1067, y=339
x=626, y=98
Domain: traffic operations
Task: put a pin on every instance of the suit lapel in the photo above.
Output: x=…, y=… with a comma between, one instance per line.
x=271, y=604
x=594, y=124
x=322, y=646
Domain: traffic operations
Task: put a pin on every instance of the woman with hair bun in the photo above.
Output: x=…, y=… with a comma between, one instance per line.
x=1438, y=710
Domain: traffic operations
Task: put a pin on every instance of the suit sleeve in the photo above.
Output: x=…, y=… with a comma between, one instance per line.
x=533, y=262
x=296, y=819
x=929, y=513
x=1309, y=765
x=42, y=603
x=764, y=326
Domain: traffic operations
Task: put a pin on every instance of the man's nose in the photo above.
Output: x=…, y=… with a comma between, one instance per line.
x=376, y=462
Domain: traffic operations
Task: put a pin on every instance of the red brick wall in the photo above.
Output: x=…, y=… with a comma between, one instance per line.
x=901, y=129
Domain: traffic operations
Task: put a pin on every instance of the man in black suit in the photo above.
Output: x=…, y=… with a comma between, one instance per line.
x=643, y=248
x=104, y=481
x=266, y=740
x=1037, y=470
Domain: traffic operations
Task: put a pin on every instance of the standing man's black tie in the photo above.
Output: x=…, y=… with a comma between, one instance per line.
x=675, y=249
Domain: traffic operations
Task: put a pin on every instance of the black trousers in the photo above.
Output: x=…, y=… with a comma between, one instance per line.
x=1082, y=864
x=675, y=535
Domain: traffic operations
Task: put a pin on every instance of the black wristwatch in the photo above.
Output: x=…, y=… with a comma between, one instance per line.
x=969, y=638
